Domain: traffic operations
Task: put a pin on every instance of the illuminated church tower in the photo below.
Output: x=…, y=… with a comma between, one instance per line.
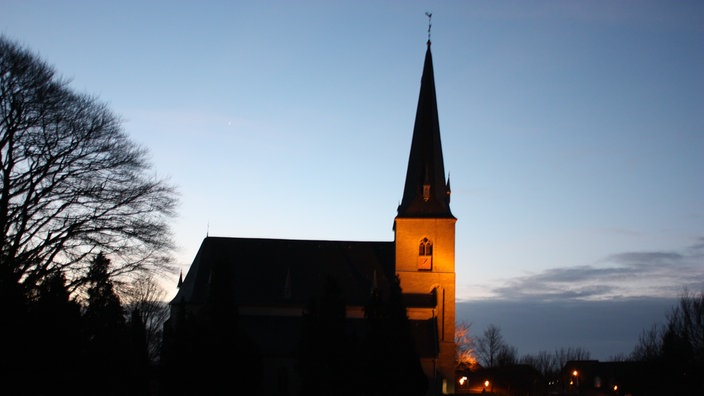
x=424, y=230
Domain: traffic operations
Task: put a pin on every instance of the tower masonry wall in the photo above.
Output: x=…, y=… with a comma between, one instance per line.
x=439, y=276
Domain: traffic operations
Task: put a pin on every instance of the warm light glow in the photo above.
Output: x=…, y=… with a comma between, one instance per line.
x=486, y=383
x=615, y=387
x=463, y=379
x=574, y=373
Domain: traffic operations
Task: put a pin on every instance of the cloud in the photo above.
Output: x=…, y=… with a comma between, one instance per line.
x=698, y=247
x=604, y=328
x=646, y=259
x=622, y=275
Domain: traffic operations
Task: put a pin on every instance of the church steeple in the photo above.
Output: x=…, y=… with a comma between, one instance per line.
x=424, y=230
x=426, y=194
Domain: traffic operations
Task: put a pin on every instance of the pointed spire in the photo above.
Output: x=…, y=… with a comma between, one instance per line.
x=425, y=193
x=180, y=280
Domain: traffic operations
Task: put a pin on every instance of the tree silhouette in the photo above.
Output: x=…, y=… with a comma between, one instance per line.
x=325, y=347
x=465, y=353
x=678, y=347
x=178, y=352
x=544, y=362
x=15, y=325
x=549, y=364
x=207, y=352
x=490, y=345
x=146, y=296
x=105, y=332
x=138, y=375
x=56, y=338
x=649, y=346
x=391, y=365
x=71, y=182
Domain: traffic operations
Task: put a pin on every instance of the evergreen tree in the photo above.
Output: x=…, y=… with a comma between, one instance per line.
x=105, y=332
x=15, y=363
x=325, y=348
x=178, y=353
x=138, y=363
x=207, y=353
x=56, y=342
x=390, y=363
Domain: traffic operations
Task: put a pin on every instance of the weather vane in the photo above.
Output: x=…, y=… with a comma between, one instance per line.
x=430, y=16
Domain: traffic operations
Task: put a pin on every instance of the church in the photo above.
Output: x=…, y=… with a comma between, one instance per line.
x=272, y=285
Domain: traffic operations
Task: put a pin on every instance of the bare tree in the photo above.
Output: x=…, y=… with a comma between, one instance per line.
x=649, y=345
x=145, y=297
x=684, y=331
x=490, y=345
x=466, y=354
x=563, y=355
x=507, y=356
x=544, y=362
x=71, y=182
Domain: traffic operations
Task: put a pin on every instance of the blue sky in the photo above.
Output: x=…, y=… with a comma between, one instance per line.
x=573, y=131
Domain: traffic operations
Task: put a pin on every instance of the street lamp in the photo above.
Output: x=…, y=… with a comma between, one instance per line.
x=575, y=379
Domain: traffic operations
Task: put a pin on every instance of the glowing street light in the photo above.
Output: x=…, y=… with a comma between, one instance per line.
x=575, y=378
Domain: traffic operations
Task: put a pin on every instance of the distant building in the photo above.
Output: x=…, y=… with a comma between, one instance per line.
x=271, y=283
x=592, y=377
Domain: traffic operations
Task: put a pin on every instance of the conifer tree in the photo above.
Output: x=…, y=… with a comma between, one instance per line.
x=389, y=357
x=178, y=353
x=56, y=329
x=138, y=359
x=105, y=332
x=325, y=348
x=15, y=339
x=207, y=353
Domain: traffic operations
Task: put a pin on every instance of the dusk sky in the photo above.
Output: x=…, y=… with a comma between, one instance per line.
x=572, y=131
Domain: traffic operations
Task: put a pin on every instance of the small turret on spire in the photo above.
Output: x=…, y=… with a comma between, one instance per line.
x=448, y=190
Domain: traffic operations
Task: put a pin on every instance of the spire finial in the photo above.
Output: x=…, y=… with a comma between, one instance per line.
x=430, y=16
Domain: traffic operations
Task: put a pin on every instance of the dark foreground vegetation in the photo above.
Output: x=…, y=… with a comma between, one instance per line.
x=82, y=215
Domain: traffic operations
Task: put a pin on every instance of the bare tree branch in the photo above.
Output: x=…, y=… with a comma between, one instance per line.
x=72, y=183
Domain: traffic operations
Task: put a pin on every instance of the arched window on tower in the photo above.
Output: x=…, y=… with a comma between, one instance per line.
x=425, y=255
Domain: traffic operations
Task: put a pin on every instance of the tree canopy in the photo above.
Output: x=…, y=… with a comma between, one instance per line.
x=72, y=183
